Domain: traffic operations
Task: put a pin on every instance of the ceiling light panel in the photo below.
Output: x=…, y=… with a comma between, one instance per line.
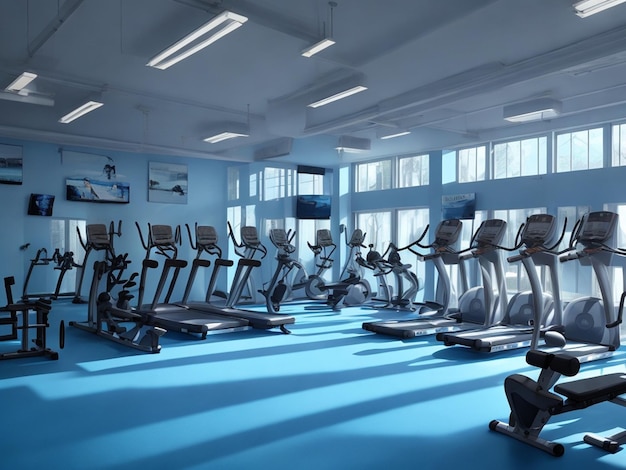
x=338, y=96
x=591, y=7
x=80, y=111
x=218, y=27
x=21, y=82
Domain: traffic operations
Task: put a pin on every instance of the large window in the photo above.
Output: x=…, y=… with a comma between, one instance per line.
x=273, y=183
x=618, y=150
x=310, y=184
x=413, y=171
x=515, y=274
x=520, y=158
x=233, y=183
x=471, y=164
x=580, y=150
x=373, y=176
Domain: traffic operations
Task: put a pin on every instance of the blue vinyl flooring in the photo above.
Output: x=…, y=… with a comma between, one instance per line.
x=328, y=396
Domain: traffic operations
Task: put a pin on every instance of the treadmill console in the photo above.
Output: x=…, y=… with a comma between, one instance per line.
x=598, y=227
x=539, y=230
x=491, y=232
x=448, y=232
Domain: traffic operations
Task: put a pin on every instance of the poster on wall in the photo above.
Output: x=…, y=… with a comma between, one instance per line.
x=167, y=182
x=458, y=206
x=10, y=164
x=86, y=189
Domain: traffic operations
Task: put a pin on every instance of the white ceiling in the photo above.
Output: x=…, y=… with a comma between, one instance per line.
x=442, y=68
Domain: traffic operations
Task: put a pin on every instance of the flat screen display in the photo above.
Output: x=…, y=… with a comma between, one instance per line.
x=40, y=204
x=313, y=207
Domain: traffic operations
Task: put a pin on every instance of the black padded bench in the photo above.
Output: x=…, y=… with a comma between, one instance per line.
x=594, y=389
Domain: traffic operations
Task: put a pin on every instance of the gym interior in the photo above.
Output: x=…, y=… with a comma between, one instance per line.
x=325, y=390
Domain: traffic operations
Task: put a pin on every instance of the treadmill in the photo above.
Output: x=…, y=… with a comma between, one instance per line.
x=171, y=316
x=445, y=252
x=206, y=242
x=591, y=324
x=529, y=314
x=477, y=305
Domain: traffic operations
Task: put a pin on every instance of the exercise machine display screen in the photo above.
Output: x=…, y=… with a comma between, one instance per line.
x=539, y=228
x=598, y=226
x=448, y=232
x=491, y=232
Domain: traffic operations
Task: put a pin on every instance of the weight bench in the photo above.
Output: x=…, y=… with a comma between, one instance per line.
x=533, y=404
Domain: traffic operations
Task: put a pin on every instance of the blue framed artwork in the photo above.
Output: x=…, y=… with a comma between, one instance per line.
x=10, y=164
x=167, y=182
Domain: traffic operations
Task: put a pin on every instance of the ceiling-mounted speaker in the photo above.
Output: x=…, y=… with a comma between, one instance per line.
x=275, y=149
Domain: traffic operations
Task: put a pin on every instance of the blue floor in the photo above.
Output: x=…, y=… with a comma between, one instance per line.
x=328, y=396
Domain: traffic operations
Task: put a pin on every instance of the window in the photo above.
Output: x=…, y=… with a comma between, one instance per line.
x=580, y=150
x=410, y=223
x=274, y=183
x=373, y=176
x=64, y=236
x=618, y=151
x=253, y=184
x=574, y=278
x=413, y=171
x=310, y=184
x=471, y=164
x=515, y=273
x=233, y=183
x=520, y=158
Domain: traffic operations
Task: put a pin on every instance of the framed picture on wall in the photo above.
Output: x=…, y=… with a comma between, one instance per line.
x=10, y=164
x=86, y=189
x=167, y=182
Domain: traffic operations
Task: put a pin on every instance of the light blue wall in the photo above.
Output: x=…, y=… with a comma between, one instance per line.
x=44, y=172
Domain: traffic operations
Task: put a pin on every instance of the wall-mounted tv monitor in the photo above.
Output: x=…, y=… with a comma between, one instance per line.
x=40, y=204
x=313, y=207
x=459, y=206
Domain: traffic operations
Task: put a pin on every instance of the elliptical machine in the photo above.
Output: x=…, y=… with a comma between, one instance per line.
x=323, y=251
x=98, y=239
x=406, y=282
x=113, y=318
x=352, y=289
x=290, y=275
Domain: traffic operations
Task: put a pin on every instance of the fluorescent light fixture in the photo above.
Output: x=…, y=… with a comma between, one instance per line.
x=21, y=82
x=350, y=144
x=228, y=21
x=338, y=96
x=395, y=134
x=534, y=110
x=591, y=7
x=223, y=136
x=80, y=111
x=317, y=47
